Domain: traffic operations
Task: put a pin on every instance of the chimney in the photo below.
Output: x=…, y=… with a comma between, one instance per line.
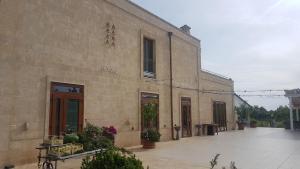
x=186, y=29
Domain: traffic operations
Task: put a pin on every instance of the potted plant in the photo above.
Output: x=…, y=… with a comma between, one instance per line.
x=177, y=129
x=287, y=124
x=71, y=138
x=92, y=138
x=150, y=134
x=243, y=114
x=253, y=123
x=149, y=137
x=110, y=133
x=241, y=125
x=150, y=115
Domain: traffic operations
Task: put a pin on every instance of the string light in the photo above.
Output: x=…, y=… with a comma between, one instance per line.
x=266, y=93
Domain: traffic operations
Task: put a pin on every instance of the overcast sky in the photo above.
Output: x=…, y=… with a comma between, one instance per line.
x=255, y=42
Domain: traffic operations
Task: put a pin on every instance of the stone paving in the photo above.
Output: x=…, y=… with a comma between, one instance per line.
x=260, y=148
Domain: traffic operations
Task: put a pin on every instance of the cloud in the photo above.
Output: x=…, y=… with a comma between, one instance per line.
x=253, y=41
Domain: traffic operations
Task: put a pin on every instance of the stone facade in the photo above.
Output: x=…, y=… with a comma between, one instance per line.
x=65, y=41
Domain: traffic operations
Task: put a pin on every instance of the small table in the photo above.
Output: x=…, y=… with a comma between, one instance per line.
x=47, y=159
x=198, y=126
x=213, y=128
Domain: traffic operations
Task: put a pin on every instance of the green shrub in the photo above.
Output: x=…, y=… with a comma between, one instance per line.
x=71, y=138
x=151, y=135
x=112, y=159
x=92, y=138
x=280, y=125
x=263, y=124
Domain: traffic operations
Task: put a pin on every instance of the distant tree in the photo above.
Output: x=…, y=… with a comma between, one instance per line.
x=243, y=112
x=282, y=113
x=272, y=118
x=260, y=113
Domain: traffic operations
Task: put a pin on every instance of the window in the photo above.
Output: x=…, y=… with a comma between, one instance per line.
x=149, y=58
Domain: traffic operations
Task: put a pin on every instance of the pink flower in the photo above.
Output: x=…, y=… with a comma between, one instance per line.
x=110, y=130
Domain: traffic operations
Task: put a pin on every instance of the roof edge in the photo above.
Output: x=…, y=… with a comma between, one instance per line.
x=163, y=20
x=242, y=99
x=216, y=74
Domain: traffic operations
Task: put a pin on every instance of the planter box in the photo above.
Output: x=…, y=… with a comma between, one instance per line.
x=66, y=149
x=76, y=148
x=253, y=125
x=148, y=144
x=63, y=150
x=54, y=141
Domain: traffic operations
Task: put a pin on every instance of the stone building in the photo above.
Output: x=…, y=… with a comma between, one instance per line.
x=64, y=63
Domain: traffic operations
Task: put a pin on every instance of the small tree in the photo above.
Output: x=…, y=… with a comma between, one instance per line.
x=243, y=112
x=150, y=114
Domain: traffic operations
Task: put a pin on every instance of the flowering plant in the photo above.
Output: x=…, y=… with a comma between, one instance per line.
x=151, y=135
x=109, y=130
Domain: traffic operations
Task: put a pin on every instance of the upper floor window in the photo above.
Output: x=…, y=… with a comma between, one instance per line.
x=149, y=58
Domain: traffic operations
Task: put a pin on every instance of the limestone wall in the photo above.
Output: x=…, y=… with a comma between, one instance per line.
x=65, y=41
x=215, y=85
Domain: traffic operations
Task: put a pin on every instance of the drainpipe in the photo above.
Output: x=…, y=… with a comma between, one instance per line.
x=171, y=83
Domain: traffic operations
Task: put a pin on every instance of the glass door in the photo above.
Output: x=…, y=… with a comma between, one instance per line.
x=72, y=115
x=56, y=116
x=149, y=111
x=219, y=115
x=186, y=118
x=66, y=114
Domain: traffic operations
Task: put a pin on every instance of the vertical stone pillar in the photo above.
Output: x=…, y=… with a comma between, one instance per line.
x=297, y=114
x=291, y=115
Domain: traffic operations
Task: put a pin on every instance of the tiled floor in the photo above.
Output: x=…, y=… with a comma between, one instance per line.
x=260, y=148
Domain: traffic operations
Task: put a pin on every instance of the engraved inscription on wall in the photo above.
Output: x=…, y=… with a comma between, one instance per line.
x=110, y=34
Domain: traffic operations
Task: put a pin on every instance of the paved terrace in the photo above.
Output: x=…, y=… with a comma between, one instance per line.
x=261, y=148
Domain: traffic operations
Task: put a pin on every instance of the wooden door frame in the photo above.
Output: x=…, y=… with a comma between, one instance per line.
x=65, y=96
x=149, y=101
x=53, y=117
x=190, y=112
x=223, y=119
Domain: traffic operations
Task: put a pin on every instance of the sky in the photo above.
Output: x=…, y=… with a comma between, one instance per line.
x=254, y=42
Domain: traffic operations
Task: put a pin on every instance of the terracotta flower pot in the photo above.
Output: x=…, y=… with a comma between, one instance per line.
x=241, y=126
x=148, y=144
x=253, y=125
